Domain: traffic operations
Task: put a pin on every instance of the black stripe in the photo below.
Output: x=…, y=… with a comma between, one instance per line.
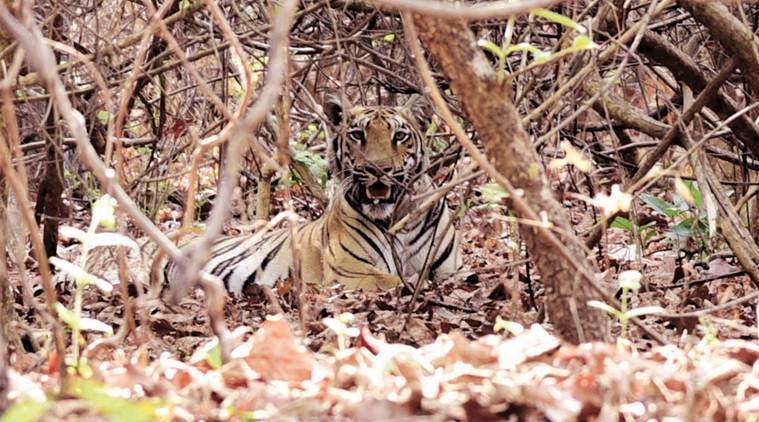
x=262, y=267
x=227, y=248
x=353, y=238
x=358, y=258
x=446, y=253
x=271, y=255
x=424, y=244
x=424, y=224
x=371, y=243
x=231, y=263
x=348, y=274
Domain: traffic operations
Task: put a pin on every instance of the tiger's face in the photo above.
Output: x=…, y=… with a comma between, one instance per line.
x=376, y=155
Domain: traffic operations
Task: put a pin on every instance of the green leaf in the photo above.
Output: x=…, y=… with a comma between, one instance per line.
x=103, y=116
x=432, y=129
x=26, y=411
x=389, y=38
x=698, y=199
x=492, y=192
x=70, y=318
x=622, y=223
x=84, y=369
x=103, y=211
x=117, y=409
x=684, y=228
x=184, y=5
x=583, y=42
x=512, y=327
x=661, y=206
x=214, y=355
x=602, y=306
x=558, y=18
x=541, y=56
x=492, y=47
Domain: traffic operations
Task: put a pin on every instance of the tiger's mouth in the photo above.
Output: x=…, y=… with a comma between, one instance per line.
x=378, y=191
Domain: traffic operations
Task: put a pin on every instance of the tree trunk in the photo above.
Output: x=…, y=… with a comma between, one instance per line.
x=49, y=208
x=488, y=105
x=6, y=298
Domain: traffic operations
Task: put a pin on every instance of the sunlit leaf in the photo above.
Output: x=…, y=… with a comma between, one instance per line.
x=80, y=275
x=583, y=42
x=616, y=201
x=111, y=239
x=26, y=411
x=541, y=56
x=90, y=324
x=622, y=223
x=661, y=206
x=644, y=310
x=117, y=409
x=558, y=18
x=491, y=47
x=103, y=116
x=572, y=156
x=602, y=306
x=214, y=355
x=512, y=327
x=103, y=211
x=683, y=191
x=70, y=318
x=72, y=233
x=630, y=279
x=492, y=192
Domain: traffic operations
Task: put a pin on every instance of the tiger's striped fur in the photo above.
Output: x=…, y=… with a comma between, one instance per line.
x=378, y=159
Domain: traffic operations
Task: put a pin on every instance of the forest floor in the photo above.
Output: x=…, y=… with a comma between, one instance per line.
x=471, y=348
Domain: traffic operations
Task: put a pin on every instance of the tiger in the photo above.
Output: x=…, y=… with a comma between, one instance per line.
x=378, y=160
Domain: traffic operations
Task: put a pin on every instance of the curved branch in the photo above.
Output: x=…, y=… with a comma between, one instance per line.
x=479, y=11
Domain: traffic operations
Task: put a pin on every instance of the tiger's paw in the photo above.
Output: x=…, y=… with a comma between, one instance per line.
x=374, y=283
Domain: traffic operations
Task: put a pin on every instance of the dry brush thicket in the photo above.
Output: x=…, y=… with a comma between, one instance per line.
x=202, y=110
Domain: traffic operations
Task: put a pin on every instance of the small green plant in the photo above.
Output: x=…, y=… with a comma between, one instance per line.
x=579, y=43
x=708, y=330
x=385, y=39
x=513, y=328
x=645, y=233
x=102, y=215
x=629, y=281
x=492, y=193
x=686, y=213
x=315, y=163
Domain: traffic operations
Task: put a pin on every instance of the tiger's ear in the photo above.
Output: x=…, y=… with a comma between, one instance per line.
x=412, y=104
x=417, y=109
x=335, y=106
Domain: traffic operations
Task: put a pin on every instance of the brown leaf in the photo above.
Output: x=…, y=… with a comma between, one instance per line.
x=277, y=355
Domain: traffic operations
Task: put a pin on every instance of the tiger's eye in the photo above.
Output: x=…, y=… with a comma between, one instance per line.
x=357, y=135
x=400, y=137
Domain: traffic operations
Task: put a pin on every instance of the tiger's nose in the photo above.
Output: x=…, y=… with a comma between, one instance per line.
x=378, y=170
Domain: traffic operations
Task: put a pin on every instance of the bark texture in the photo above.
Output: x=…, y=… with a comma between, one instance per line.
x=6, y=299
x=685, y=69
x=734, y=36
x=489, y=106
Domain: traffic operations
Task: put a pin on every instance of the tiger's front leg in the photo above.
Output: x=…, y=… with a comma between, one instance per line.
x=355, y=251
